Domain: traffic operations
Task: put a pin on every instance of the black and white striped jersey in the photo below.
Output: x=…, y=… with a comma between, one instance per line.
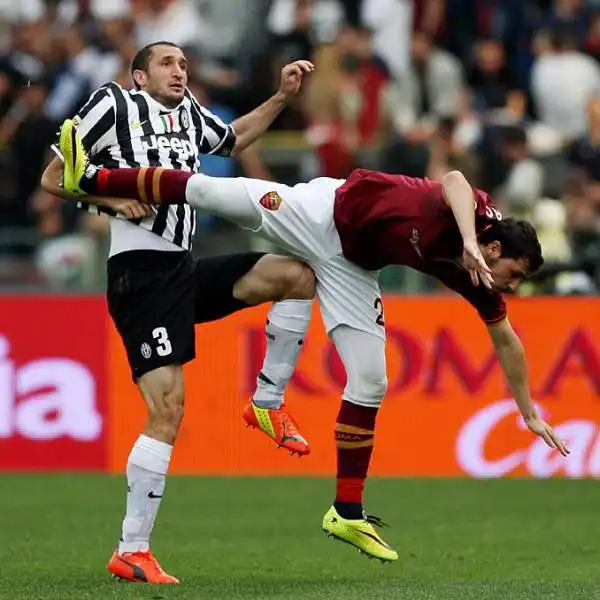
x=121, y=128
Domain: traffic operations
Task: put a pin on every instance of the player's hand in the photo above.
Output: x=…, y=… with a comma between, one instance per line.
x=130, y=209
x=474, y=262
x=541, y=428
x=291, y=77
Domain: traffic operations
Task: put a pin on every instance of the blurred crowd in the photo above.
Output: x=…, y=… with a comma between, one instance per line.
x=508, y=91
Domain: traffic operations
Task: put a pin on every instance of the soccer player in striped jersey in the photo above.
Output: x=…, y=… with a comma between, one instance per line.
x=157, y=291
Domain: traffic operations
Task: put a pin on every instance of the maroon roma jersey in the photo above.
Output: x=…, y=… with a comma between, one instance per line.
x=396, y=220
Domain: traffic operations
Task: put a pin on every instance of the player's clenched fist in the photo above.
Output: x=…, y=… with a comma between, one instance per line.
x=291, y=77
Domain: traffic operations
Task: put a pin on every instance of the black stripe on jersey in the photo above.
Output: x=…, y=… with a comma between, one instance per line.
x=226, y=134
x=225, y=146
x=105, y=159
x=123, y=131
x=198, y=125
x=144, y=110
x=178, y=238
x=173, y=156
x=192, y=227
x=94, y=100
x=160, y=222
x=100, y=128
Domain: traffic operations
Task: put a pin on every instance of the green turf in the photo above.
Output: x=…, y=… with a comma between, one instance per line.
x=261, y=538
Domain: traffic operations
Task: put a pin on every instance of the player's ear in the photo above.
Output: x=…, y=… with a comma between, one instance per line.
x=139, y=77
x=494, y=250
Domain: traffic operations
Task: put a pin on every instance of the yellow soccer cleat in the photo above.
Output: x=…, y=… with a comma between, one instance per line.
x=360, y=533
x=75, y=156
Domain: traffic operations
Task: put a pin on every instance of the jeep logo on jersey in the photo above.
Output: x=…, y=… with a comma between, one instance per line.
x=271, y=201
x=172, y=142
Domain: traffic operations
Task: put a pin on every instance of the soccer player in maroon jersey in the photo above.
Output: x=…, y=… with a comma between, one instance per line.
x=347, y=230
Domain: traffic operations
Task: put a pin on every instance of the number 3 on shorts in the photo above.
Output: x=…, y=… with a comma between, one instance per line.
x=164, y=347
x=379, y=308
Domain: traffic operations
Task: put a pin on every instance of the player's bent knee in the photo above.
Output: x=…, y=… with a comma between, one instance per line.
x=276, y=278
x=369, y=390
x=301, y=282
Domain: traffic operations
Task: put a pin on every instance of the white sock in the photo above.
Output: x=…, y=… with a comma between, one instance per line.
x=285, y=330
x=146, y=475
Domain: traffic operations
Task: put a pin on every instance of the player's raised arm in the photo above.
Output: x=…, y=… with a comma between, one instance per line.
x=250, y=127
x=511, y=355
x=459, y=196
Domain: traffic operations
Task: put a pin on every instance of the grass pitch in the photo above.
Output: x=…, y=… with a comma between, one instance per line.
x=261, y=539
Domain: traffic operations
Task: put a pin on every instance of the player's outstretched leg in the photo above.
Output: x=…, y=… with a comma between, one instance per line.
x=222, y=196
x=285, y=330
x=363, y=355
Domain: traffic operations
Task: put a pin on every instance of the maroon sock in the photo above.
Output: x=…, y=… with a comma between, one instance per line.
x=354, y=433
x=150, y=185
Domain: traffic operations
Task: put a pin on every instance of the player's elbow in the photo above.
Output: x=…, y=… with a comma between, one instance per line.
x=51, y=177
x=453, y=178
x=46, y=180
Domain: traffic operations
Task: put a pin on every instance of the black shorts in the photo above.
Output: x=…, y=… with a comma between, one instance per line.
x=155, y=298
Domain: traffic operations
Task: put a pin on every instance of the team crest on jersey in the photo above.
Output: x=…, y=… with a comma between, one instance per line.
x=146, y=350
x=184, y=119
x=415, y=240
x=271, y=201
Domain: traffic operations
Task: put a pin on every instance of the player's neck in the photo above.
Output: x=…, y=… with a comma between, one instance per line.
x=165, y=102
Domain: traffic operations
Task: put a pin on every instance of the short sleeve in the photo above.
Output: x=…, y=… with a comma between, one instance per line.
x=217, y=137
x=96, y=121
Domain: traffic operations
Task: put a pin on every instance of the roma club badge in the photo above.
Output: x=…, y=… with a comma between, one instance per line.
x=271, y=201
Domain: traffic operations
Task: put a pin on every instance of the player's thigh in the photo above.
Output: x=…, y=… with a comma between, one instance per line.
x=151, y=301
x=214, y=282
x=349, y=295
x=275, y=277
x=363, y=356
x=298, y=219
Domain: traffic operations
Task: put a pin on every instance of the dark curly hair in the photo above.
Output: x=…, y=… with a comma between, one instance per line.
x=518, y=239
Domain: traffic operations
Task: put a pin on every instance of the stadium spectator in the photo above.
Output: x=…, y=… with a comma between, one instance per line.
x=562, y=82
x=584, y=153
x=401, y=85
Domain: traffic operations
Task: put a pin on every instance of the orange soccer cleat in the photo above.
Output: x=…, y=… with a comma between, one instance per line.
x=138, y=567
x=279, y=425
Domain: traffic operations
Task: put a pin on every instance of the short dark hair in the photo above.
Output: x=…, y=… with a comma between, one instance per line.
x=518, y=239
x=141, y=60
x=562, y=37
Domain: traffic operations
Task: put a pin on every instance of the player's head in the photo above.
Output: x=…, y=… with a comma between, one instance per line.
x=513, y=252
x=160, y=69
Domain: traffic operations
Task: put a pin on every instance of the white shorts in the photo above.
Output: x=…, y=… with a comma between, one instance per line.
x=300, y=220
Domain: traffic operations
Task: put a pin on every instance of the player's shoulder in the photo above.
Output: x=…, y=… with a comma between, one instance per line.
x=190, y=100
x=485, y=207
x=108, y=92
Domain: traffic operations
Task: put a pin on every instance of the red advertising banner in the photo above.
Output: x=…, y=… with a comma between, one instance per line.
x=447, y=412
x=53, y=363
